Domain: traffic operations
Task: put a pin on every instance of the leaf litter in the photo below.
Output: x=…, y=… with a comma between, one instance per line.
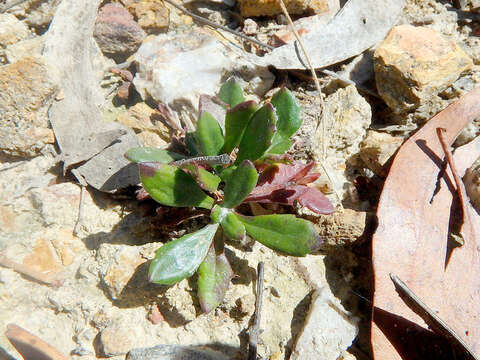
x=415, y=217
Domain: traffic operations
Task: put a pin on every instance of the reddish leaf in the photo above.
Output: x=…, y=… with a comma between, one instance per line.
x=316, y=201
x=414, y=215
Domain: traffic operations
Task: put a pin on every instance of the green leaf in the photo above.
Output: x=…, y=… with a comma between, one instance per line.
x=209, y=135
x=232, y=227
x=214, y=275
x=227, y=172
x=288, y=113
x=231, y=92
x=180, y=258
x=285, y=233
x=279, y=146
x=218, y=213
x=149, y=154
x=236, y=121
x=205, y=179
x=240, y=184
x=171, y=186
x=258, y=135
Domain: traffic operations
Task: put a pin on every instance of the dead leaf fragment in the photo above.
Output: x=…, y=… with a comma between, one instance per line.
x=414, y=215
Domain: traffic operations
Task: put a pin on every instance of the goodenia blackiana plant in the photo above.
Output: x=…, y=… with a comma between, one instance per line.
x=255, y=137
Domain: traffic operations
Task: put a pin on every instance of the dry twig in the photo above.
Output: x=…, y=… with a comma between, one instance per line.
x=320, y=97
x=47, y=279
x=255, y=330
x=30, y=346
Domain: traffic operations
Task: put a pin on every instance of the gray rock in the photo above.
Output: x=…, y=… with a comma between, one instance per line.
x=176, y=69
x=36, y=14
x=27, y=91
x=328, y=331
x=117, y=33
x=174, y=352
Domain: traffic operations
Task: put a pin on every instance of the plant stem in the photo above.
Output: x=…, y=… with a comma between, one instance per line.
x=255, y=330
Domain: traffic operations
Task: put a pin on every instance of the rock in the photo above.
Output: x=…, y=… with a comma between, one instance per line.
x=250, y=27
x=328, y=331
x=344, y=109
x=117, y=33
x=472, y=183
x=43, y=258
x=377, y=149
x=12, y=31
x=341, y=228
x=29, y=47
x=117, y=339
x=414, y=63
x=27, y=93
x=152, y=16
x=146, y=122
x=118, y=265
x=37, y=14
x=272, y=8
x=175, y=352
x=176, y=69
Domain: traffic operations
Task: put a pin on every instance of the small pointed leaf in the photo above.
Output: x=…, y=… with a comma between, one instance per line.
x=209, y=135
x=180, y=258
x=205, y=179
x=240, y=184
x=288, y=112
x=214, y=275
x=231, y=92
x=149, y=154
x=171, y=186
x=257, y=137
x=236, y=121
x=232, y=227
x=285, y=233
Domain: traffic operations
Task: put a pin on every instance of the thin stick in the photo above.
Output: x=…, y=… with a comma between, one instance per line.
x=314, y=74
x=31, y=273
x=460, y=190
x=255, y=330
x=222, y=159
x=81, y=206
x=320, y=97
x=429, y=316
x=30, y=346
x=218, y=26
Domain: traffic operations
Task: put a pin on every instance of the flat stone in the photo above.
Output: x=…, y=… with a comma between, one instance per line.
x=147, y=124
x=272, y=8
x=152, y=16
x=328, y=331
x=28, y=47
x=117, y=33
x=175, y=352
x=377, y=149
x=27, y=93
x=117, y=339
x=36, y=14
x=414, y=63
x=341, y=228
x=348, y=116
x=119, y=263
x=175, y=69
x=12, y=30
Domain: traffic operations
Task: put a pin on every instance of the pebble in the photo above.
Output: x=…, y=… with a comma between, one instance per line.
x=152, y=16
x=413, y=64
x=472, y=183
x=116, y=32
x=377, y=149
x=117, y=339
x=175, y=352
x=325, y=334
x=27, y=92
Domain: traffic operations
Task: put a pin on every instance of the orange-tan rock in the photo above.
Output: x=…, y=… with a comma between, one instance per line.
x=414, y=63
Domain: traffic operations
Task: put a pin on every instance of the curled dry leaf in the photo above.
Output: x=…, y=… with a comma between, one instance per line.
x=414, y=220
